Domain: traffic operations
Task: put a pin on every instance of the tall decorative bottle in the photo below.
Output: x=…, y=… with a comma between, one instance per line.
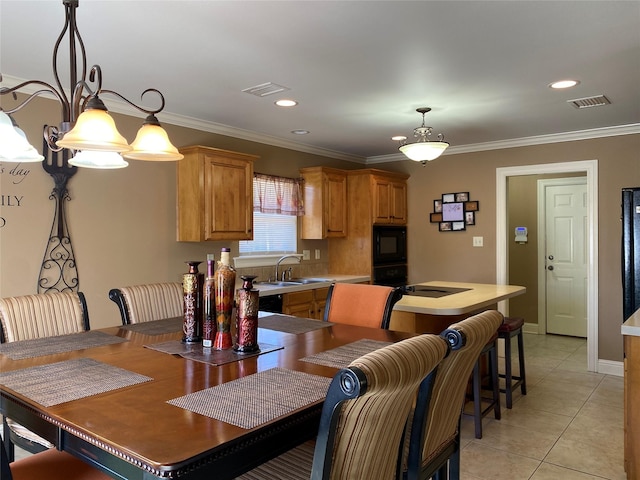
x=192, y=303
x=225, y=281
x=247, y=317
x=209, y=305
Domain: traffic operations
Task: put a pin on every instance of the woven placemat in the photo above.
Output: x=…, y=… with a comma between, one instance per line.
x=341, y=357
x=69, y=380
x=39, y=347
x=195, y=351
x=156, y=327
x=288, y=324
x=256, y=399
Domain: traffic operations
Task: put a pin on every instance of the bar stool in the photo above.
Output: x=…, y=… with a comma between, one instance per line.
x=511, y=327
x=489, y=351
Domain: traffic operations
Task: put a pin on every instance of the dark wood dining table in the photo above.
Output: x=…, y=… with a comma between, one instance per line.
x=134, y=433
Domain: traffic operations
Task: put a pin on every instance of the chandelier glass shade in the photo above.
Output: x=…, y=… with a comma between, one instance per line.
x=14, y=146
x=424, y=150
x=86, y=125
x=98, y=159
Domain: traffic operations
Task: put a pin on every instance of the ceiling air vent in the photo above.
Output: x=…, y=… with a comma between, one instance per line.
x=597, y=101
x=265, y=89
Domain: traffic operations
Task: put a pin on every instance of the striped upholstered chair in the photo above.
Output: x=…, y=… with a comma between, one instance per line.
x=144, y=303
x=363, y=418
x=50, y=465
x=360, y=304
x=38, y=316
x=434, y=446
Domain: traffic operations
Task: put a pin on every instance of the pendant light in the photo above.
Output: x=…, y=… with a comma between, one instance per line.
x=424, y=150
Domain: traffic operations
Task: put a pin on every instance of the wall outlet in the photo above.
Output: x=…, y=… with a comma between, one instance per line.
x=478, y=241
x=317, y=254
x=306, y=254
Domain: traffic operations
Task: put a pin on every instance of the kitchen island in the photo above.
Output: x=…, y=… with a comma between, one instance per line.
x=431, y=307
x=631, y=335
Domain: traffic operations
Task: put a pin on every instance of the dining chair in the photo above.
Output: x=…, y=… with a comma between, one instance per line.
x=361, y=304
x=51, y=464
x=363, y=417
x=38, y=316
x=434, y=434
x=152, y=301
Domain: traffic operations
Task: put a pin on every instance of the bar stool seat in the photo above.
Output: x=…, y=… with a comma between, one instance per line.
x=512, y=327
x=489, y=351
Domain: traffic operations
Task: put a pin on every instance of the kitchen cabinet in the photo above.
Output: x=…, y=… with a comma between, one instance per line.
x=389, y=199
x=214, y=195
x=373, y=197
x=325, y=197
x=306, y=303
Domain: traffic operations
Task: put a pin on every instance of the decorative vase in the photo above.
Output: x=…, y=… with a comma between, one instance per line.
x=247, y=317
x=225, y=282
x=209, y=305
x=192, y=303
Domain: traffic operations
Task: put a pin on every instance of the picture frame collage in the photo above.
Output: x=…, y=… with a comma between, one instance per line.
x=453, y=212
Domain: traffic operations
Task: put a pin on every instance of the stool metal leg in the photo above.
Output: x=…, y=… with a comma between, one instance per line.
x=522, y=378
x=495, y=385
x=508, y=372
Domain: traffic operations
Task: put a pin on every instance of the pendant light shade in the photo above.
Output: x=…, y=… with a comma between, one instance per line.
x=152, y=143
x=94, y=130
x=423, y=150
x=97, y=159
x=14, y=146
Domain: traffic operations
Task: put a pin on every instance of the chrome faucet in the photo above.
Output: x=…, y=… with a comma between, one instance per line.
x=278, y=265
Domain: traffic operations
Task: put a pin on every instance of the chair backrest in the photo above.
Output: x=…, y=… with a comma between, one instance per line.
x=144, y=303
x=435, y=424
x=366, y=409
x=361, y=304
x=42, y=315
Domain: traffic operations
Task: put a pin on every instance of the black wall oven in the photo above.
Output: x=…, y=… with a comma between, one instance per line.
x=389, y=255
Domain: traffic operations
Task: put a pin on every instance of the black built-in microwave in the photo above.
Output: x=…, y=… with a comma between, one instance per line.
x=389, y=245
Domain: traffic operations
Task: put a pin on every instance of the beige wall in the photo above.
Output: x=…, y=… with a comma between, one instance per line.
x=122, y=222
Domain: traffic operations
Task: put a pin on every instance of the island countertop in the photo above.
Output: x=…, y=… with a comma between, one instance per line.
x=632, y=325
x=474, y=297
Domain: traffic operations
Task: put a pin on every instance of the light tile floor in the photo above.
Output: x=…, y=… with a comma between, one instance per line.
x=569, y=426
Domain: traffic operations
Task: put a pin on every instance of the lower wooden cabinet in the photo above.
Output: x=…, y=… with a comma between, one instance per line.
x=631, y=402
x=307, y=303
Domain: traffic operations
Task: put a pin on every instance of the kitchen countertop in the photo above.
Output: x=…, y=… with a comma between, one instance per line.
x=328, y=280
x=632, y=325
x=476, y=296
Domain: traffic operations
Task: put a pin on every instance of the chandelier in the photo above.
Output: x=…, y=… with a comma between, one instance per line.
x=86, y=128
x=423, y=150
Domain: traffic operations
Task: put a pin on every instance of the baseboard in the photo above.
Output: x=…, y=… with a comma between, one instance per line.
x=609, y=367
x=530, y=328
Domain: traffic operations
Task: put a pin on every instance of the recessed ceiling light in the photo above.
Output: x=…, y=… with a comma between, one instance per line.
x=286, y=103
x=564, y=84
x=398, y=138
x=299, y=132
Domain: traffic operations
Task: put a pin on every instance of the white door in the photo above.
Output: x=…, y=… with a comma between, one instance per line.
x=566, y=258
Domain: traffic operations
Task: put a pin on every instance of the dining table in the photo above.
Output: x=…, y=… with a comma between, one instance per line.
x=138, y=403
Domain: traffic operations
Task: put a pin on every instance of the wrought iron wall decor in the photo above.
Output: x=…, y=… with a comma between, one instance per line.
x=453, y=212
x=58, y=271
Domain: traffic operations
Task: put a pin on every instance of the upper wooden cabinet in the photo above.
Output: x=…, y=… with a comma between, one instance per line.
x=389, y=193
x=215, y=195
x=325, y=203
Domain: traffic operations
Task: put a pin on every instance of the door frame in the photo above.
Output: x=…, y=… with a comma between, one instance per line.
x=590, y=167
x=542, y=235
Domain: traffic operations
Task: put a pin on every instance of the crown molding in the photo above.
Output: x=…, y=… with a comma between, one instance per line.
x=631, y=129
x=217, y=128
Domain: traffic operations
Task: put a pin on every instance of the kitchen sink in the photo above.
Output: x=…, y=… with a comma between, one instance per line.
x=305, y=281
x=280, y=284
x=295, y=281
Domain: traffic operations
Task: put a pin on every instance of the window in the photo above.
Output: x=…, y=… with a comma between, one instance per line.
x=272, y=233
x=277, y=203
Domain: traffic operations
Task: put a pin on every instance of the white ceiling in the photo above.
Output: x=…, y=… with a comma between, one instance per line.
x=358, y=69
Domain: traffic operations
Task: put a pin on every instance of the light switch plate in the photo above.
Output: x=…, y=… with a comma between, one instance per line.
x=306, y=254
x=317, y=254
x=478, y=241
